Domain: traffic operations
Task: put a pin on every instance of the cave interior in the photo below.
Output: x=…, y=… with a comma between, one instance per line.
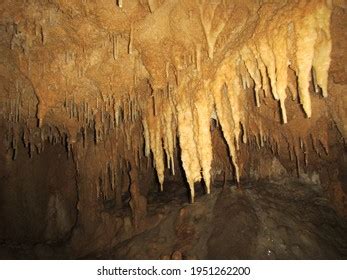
x=173, y=129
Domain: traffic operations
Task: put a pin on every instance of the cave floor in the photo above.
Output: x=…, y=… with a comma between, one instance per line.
x=288, y=220
x=263, y=220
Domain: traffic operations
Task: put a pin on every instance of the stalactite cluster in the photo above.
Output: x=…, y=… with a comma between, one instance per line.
x=124, y=77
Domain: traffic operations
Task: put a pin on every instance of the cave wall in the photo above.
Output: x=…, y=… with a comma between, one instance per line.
x=38, y=196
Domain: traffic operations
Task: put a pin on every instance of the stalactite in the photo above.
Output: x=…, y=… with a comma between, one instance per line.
x=224, y=113
x=203, y=111
x=244, y=134
x=206, y=18
x=305, y=151
x=262, y=69
x=41, y=112
x=290, y=152
x=281, y=61
x=253, y=70
x=297, y=158
x=306, y=37
x=322, y=48
x=43, y=39
x=261, y=137
x=131, y=39
x=169, y=133
x=14, y=146
x=198, y=57
x=297, y=43
x=189, y=154
x=235, y=98
x=268, y=58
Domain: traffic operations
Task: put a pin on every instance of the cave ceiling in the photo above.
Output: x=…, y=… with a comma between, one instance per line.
x=139, y=78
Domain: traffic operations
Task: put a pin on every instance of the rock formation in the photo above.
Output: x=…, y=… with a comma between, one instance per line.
x=102, y=101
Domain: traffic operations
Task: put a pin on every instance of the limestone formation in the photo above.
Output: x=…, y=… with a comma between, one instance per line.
x=134, y=86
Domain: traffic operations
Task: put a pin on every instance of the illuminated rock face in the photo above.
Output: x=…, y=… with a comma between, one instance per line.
x=125, y=84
